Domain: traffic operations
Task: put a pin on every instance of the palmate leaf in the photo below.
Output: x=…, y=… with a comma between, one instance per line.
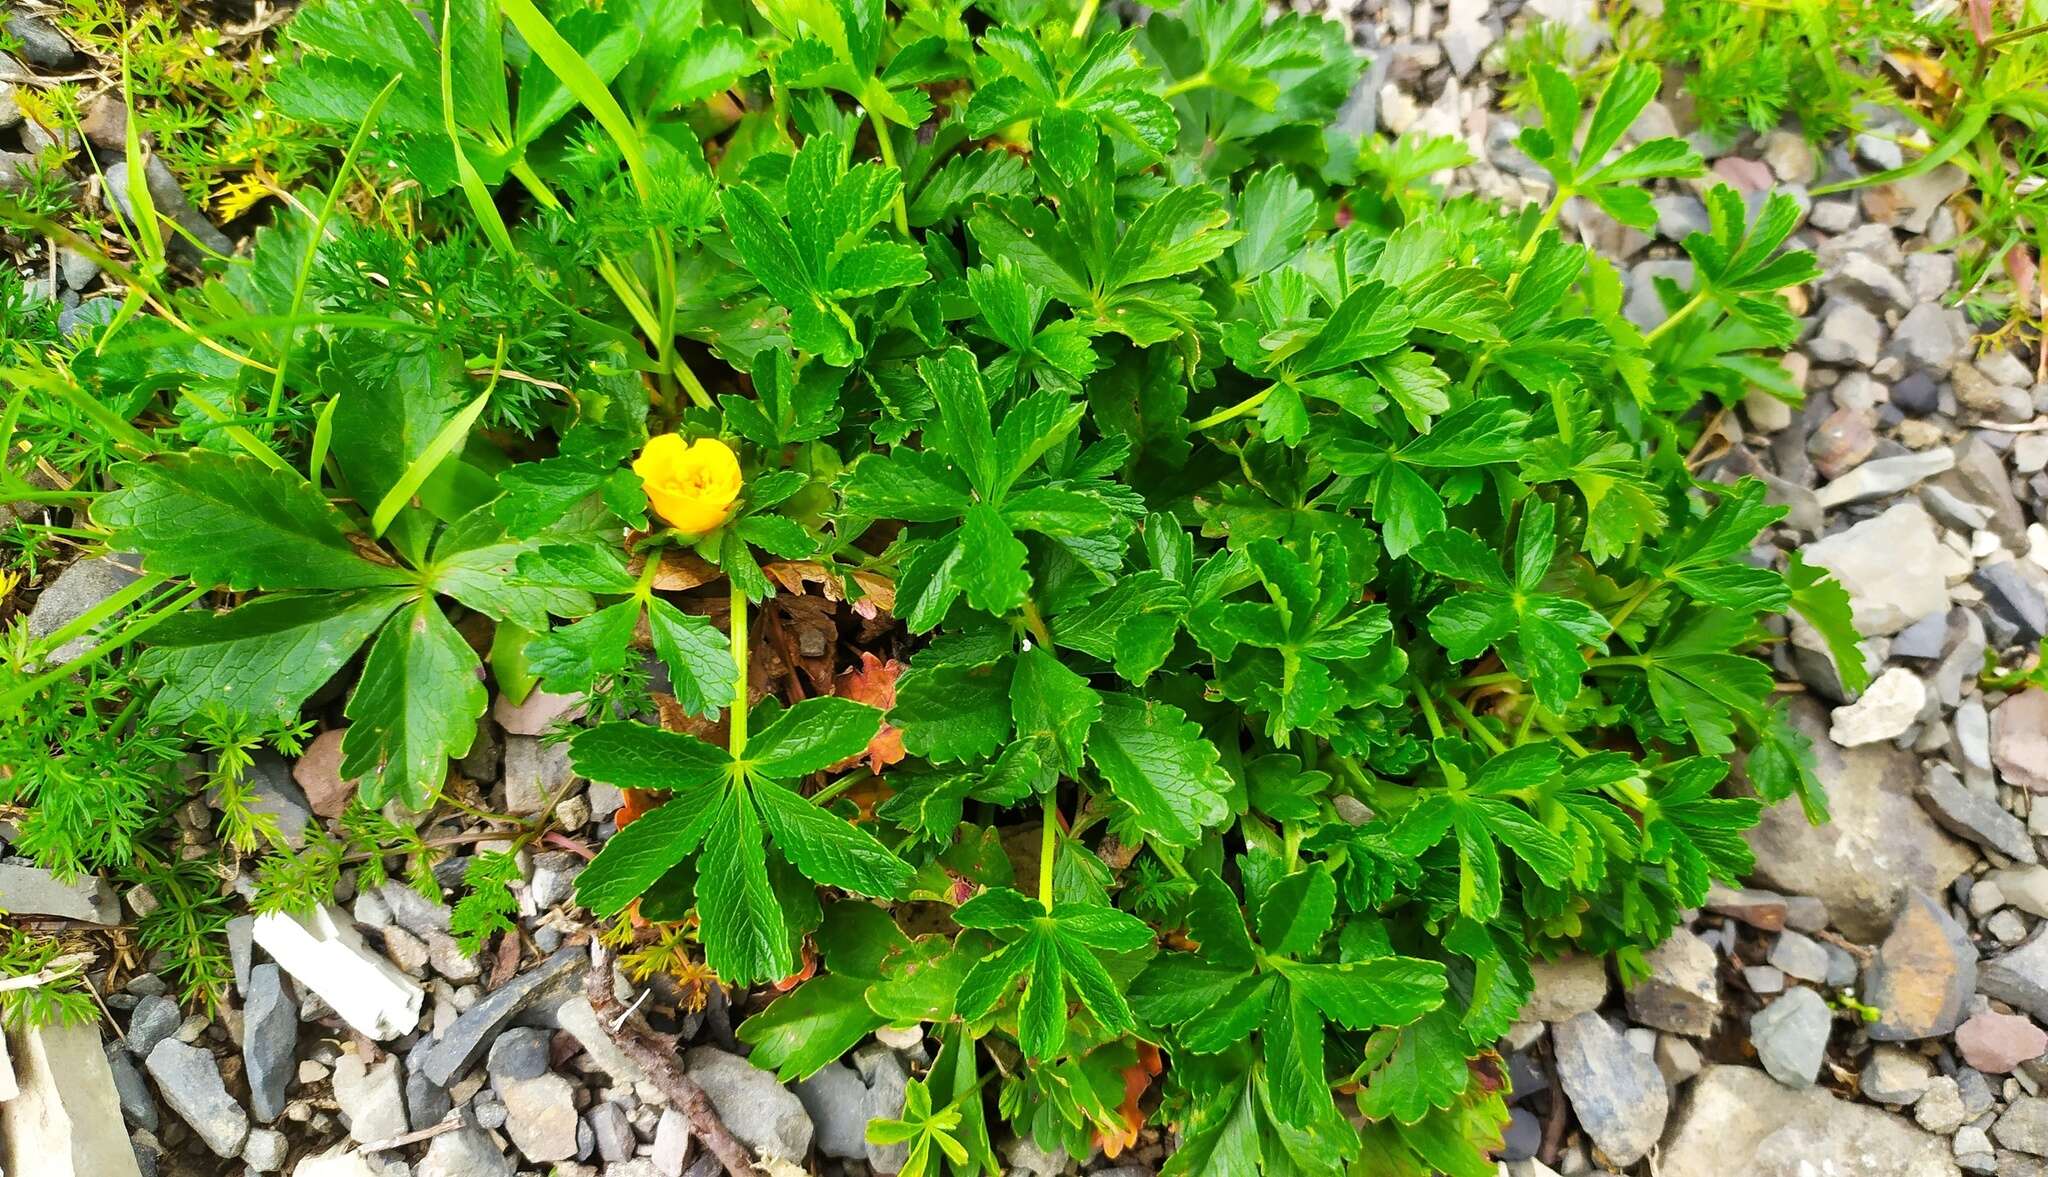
x=1050, y=952
x=1541, y=634
x=1229, y=990
x=1582, y=166
x=745, y=816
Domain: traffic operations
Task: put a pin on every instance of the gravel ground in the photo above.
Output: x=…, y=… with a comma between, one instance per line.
x=1871, y=1005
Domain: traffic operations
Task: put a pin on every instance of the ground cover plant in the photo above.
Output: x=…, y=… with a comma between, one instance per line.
x=1058, y=544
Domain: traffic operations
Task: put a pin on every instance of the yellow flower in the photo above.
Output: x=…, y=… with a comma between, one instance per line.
x=691, y=484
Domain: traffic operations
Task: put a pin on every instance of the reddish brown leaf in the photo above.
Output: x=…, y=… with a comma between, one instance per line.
x=874, y=682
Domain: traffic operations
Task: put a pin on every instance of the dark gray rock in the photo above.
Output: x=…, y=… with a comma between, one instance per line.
x=138, y=1107
x=426, y=1102
x=42, y=42
x=1922, y=975
x=1917, y=394
x=189, y=1080
x=518, y=1054
x=1615, y=1089
x=270, y=1041
x=1791, y=1036
x=1980, y=819
x=612, y=1130
x=78, y=590
x=472, y=1034
x=2020, y=977
x=837, y=1102
x=2013, y=595
x=153, y=1020
x=169, y=199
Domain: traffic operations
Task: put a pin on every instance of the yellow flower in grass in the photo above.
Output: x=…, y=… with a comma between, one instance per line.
x=692, y=484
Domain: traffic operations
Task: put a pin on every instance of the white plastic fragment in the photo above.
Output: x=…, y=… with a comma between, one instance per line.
x=324, y=953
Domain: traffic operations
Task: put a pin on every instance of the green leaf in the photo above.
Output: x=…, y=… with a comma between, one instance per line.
x=800, y=1033
x=1296, y=912
x=1366, y=994
x=827, y=849
x=1824, y=603
x=263, y=659
x=175, y=510
x=636, y=756
x=1158, y=763
x=949, y=713
x=698, y=656
x=414, y=709
x=573, y=658
x=745, y=936
x=1052, y=702
x=811, y=736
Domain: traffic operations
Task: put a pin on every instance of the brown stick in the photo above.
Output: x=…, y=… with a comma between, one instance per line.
x=638, y=1040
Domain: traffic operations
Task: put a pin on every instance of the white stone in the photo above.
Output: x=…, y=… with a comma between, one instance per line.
x=335, y=1163
x=66, y=1121
x=1886, y=709
x=1885, y=476
x=325, y=954
x=1766, y=413
x=576, y=1016
x=1892, y=565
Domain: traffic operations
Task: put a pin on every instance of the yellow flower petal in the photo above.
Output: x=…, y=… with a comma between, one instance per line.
x=692, y=485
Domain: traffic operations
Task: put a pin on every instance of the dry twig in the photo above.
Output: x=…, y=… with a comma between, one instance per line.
x=639, y=1041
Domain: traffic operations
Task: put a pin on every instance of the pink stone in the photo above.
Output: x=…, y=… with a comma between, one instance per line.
x=1747, y=175
x=538, y=713
x=318, y=772
x=1996, y=1043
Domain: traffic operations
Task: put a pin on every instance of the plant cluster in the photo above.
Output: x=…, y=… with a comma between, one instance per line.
x=1113, y=568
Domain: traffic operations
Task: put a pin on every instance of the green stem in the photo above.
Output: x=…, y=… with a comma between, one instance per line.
x=21, y=492
x=888, y=150
x=319, y=233
x=1485, y=680
x=1562, y=736
x=840, y=786
x=1635, y=601
x=1191, y=82
x=1472, y=725
x=1034, y=623
x=1086, y=18
x=1436, y=723
x=1530, y=246
x=736, y=724
x=1048, y=845
x=1677, y=317
x=1248, y=404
